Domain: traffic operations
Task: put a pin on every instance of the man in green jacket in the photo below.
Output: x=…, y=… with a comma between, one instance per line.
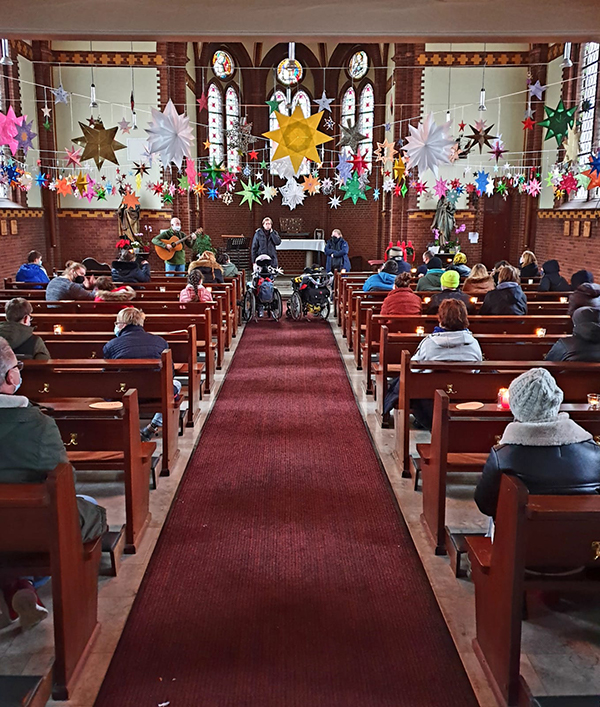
x=31, y=447
x=176, y=263
x=17, y=330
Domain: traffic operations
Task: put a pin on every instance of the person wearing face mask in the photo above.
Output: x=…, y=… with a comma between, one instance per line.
x=32, y=271
x=336, y=250
x=176, y=263
x=73, y=284
x=265, y=241
x=31, y=447
x=17, y=330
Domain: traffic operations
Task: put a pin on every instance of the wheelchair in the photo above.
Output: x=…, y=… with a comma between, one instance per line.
x=262, y=298
x=310, y=296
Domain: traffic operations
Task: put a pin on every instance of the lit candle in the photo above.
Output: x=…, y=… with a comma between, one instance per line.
x=503, y=399
x=414, y=270
x=530, y=282
x=474, y=300
x=564, y=300
x=162, y=289
x=427, y=300
x=540, y=332
x=343, y=270
x=594, y=401
x=420, y=330
x=58, y=329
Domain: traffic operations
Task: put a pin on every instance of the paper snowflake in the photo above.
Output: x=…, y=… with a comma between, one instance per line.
x=170, y=135
x=292, y=193
x=269, y=193
x=428, y=145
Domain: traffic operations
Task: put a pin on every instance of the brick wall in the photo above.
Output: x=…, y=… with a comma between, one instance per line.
x=419, y=232
x=30, y=236
x=572, y=252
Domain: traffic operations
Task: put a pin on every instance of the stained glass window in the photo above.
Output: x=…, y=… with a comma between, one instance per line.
x=366, y=112
x=222, y=64
x=589, y=92
x=215, y=123
x=359, y=65
x=348, y=116
x=232, y=116
x=290, y=72
x=301, y=98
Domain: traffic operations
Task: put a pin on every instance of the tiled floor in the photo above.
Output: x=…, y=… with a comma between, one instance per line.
x=561, y=650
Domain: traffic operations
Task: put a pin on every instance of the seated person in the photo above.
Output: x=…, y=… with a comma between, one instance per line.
x=18, y=331
x=71, y=285
x=529, y=265
x=209, y=267
x=396, y=253
x=127, y=268
x=586, y=293
x=132, y=341
x=497, y=267
x=508, y=298
x=549, y=452
x=450, y=282
x=384, y=279
x=107, y=292
x=195, y=291
x=402, y=300
x=459, y=263
x=584, y=344
x=479, y=282
x=229, y=269
x=552, y=280
x=32, y=270
x=431, y=281
x=422, y=269
x=31, y=447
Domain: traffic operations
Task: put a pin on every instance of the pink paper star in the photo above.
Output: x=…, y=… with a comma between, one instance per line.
x=202, y=101
x=190, y=171
x=441, y=188
x=8, y=129
x=73, y=157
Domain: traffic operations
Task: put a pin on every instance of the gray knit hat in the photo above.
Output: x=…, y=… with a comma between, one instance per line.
x=535, y=397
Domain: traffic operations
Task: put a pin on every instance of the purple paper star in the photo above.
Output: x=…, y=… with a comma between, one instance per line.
x=536, y=89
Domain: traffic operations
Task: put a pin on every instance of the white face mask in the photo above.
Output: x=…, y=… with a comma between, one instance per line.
x=117, y=329
x=177, y=229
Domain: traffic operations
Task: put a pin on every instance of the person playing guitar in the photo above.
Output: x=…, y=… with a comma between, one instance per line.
x=169, y=247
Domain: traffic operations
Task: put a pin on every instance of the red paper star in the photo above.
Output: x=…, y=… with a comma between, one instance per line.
x=528, y=124
x=420, y=187
x=157, y=188
x=462, y=126
x=358, y=163
x=455, y=183
x=568, y=183
x=253, y=155
x=470, y=188
x=397, y=190
x=202, y=101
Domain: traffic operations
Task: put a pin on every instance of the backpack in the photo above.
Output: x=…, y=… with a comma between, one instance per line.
x=265, y=291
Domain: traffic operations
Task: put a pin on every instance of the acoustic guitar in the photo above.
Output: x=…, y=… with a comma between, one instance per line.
x=176, y=244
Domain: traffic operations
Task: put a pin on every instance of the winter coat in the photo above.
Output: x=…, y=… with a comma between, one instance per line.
x=230, y=270
x=188, y=294
x=402, y=300
x=210, y=273
x=431, y=281
x=134, y=342
x=379, y=281
x=23, y=341
x=336, y=250
x=583, y=346
x=403, y=266
x=120, y=294
x=505, y=301
x=264, y=243
x=437, y=299
x=449, y=346
x=530, y=271
x=122, y=271
x=553, y=281
x=61, y=288
x=557, y=457
x=478, y=285
x=462, y=269
x=586, y=295
x=31, y=447
x=422, y=269
x=32, y=272
x=178, y=257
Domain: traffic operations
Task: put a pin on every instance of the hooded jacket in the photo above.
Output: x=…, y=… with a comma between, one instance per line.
x=462, y=269
x=586, y=295
x=478, y=285
x=556, y=457
x=336, y=250
x=431, y=281
x=135, y=342
x=437, y=299
x=508, y=300
x=402, y=300
x=584, y=344
x=119, y=294
x=23, y=341
x=122, y=271
x=210, y=269
x=530, y=271
x=553, y=281
x=379, y=281
x=449, y=346
x=264, y=243
x=31, y=272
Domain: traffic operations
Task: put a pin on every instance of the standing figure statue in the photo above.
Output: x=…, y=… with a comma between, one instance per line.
x=129, y=221
x=444, y=221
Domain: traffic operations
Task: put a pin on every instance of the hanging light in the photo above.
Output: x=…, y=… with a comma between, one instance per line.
x=93, y=103
x=5, y=59
x=566, y=62
x=132, y=98
x=482, y=105
x=448, y=115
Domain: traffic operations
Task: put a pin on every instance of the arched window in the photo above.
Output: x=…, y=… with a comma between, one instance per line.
x=301, y=99
x=348, y=116
x=232, y=117
x=590, y=53
x=216, y=135
x=366, y=112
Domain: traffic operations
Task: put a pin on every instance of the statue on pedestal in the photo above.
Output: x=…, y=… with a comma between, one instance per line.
x=444, y=221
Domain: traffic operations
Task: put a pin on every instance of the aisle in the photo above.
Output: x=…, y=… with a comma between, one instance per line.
x=284, y=575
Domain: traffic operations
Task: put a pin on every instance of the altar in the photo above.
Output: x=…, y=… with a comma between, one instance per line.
x=310, y=245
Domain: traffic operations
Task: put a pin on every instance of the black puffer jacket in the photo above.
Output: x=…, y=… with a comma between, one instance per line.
x=553, y=281
x=264, y=243
x=122, y=271
x=530, y=271
x=505, y=301
x=135, y=342
x=584, y=345
x=586, y=295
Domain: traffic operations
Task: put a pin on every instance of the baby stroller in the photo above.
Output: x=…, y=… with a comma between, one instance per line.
x=261, y=296
x=311, y=292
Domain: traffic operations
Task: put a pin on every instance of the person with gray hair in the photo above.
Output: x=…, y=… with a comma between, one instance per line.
x=176, y=263
x=31, y=447
x=18, y=331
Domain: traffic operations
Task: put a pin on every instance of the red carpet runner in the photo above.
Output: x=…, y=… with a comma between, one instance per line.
x=284, y=576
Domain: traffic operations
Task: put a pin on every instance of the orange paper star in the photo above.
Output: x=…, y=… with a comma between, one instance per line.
x=131, y=200
x=63, y=187
x=594, y=178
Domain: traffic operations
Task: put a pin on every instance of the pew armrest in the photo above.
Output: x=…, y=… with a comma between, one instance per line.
x=480, y=551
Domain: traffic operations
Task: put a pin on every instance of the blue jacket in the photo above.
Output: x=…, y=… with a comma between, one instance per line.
x=31, y=272
x=336, y=250
x=135, y=342
x=379, y=281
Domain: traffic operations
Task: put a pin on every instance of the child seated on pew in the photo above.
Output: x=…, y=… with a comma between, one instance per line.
x=107, y=292
x=195, y=291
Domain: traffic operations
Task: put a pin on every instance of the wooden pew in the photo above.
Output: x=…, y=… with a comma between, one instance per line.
x=45, y=381
x=112, y=442
x=49, y=543
x=552, y=532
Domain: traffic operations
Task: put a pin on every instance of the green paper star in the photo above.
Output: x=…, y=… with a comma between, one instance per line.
x=183, y=182
x=273, y=105
x=250, y=193
x=353, y=189
x=46, y=124
x=214, y=171
x=264, y=165
x=550, y=180
x=558, y=121
x=167, y=199
x=101, y=195
x=403, y=189
x=501, y=188
x=583, y=180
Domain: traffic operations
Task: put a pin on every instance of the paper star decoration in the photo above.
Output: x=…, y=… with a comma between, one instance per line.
x=46, y=111
x=81, y=183
x=480, y=135
x=253, y=155
x=534, y=187
x=327, y=186
x=489, y=189
x=41, y=179
x=25, y=135
x=9, y=125
x=140, y=168
x=63, y=187
x=73, y=157
x=311, y=185
x=583, y=181
x=202, y=101
x=571, y=145
x=536, y=89
x=498, y=149
x=568, y=183
x=354, y=190
x=481, y=180
x=227, y=198
x=292, y=193
x=385, y=151
x=60, y=95
x=388, y=184
x=350, y=137
x=344, y=167
x=461, y=126
x=428, y=145
x=124, y=126
x=170, y=134
x=441, y=188
x=249, y=193
x=131, y=200
x=297, y=137
x=376, y=194
x=273, y=105
x=595, y=163
x=324, y=103
x=334, y=202
x=558, y=121
x=399, y=169
x=359, y=164
x=528, y=123
x=269, y=193
x=328, y=123
x=98, y=144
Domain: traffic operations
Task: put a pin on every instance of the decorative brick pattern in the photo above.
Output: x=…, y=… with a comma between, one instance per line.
x=472, y=59
x=75, y=58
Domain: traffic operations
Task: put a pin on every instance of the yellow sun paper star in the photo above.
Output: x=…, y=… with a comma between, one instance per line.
x=297, y=137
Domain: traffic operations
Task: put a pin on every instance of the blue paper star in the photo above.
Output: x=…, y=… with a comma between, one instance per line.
x=40, y=179
x=482, y=180
x=376, y=193
x=595, y=163
x=213, y=193
x=344, y=167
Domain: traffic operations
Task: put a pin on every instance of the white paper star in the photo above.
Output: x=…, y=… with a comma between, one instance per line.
x=429, y=145
x=489, y=187
x=324, y=103
x=170, y=134
x=536, y=89
x=283, y=168
x=124, y=126
x=46, y=111
x=269, y=193
x=292, y=193
x=388, y=184
x=60, y=95
x=327, y=186
x=334, y=202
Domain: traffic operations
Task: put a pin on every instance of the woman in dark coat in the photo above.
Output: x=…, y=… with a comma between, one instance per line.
x=264, y=241
x=553, y=281
x=336, y=250
x=508, y=297
x=127, y=269
x=529, y=265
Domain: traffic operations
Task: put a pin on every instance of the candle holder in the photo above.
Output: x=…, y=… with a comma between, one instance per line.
x=503, y=399
x=563, y=300
x=473, y=300
x=426, y=300
x=540, y=332
x=162, y=289
x=58, y=329
x=420, y=330
x=593, y=401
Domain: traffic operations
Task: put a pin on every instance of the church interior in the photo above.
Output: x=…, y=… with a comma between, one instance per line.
x=284, y=537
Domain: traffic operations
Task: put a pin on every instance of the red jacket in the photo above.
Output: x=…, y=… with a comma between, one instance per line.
x=401, y=301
